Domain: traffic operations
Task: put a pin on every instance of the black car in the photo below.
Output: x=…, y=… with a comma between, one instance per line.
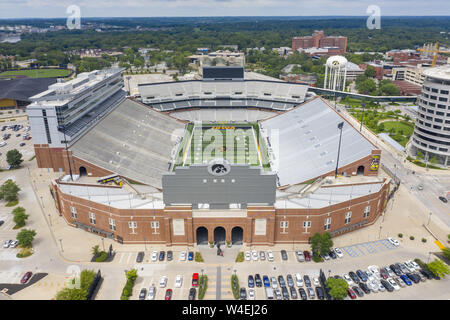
x=358, y=291
x=162, y=254
x=337, y=277
x=396, y=270
x=140, y=257
x=290, y=280
x=284, y=255
x=364, y=287
x=320, y=293
x=354, y=277
x=302, y=293
x=332, y=254
x=307, y=281
x=142, y=294
x=281, y=281
x=192, y=292
x=293, y=292
x=251, y=281
x=387, y=285
x=285, y=293
x=443, y=199
x=258, y=281
x=243, y=294
x=425, y=273
x=362, y=275
x=414, y=278
x=169, y=255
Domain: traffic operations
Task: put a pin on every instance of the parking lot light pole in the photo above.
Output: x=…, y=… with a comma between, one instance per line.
x=429, y=254
x=145, y=244
x=379, y=235
x=340, y=126
x=103, y=244
x=60, y=242
x=429, y=218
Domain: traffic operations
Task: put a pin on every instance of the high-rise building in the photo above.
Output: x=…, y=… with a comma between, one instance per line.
x=319, y=40
x=432, y=129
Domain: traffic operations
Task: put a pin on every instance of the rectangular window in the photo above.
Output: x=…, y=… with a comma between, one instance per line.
x=73, y=210
x=366, y=211
x=112, y=224
x=132, y=225
x=155, y=224
x=92, y=218
x=284, y=224
x=348, y=217
x=306, y=224
x=327, y=224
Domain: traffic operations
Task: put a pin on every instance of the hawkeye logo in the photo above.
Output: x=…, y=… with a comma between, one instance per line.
x=219, y=167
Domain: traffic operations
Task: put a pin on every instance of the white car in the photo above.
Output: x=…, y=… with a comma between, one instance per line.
x=270, y=255
x=381, y=287
x=13, y=244
x=163, y=282
x=262, y=255
x=373, y=285
x=414, y=264
x=348, y=279
x=251, y=294
x=7, y=243
x=393, y=241
x=390, y=272
x=393, y=283
x=299, y=280
x=273, y=280
x=178, y=281
x=183, y=256
x=338, y=252
x=247, y=256
x=255, y=255
x=151, y=293
x=316, y=281
x=154, y=255
x=409, y=266
x=374, y=270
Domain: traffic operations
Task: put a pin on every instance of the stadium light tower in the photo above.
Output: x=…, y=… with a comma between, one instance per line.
x=67, y=152
x=340, y=126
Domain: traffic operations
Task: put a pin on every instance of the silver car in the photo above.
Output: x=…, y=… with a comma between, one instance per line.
x=13, y=244
x=262, y=255
x=300, y=256
x=7, y=243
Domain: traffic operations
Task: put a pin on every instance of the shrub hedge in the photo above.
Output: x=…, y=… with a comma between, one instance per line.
x=235, y=286
x=202, y=286
x=240, y=257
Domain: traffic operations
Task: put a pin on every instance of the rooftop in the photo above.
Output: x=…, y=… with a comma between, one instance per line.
x=442, y=72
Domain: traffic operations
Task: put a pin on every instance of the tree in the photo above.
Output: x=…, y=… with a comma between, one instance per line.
x=95, y=250
x=438, y=268
x=19, y=216
x=26, y=237
x=370, y=72
x=367, y=86
x=9, y=191
x=446, y=252
x=419, y=155
x=326, y=243
x=315, y=243
x=338, y=288
x=71, y=294
x=433, y=160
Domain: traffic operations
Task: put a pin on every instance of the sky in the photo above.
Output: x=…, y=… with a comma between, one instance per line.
x=195, y=8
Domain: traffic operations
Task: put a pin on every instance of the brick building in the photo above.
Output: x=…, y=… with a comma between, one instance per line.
x=319, y=40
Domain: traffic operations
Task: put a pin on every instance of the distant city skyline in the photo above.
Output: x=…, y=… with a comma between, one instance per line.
x=193, y=8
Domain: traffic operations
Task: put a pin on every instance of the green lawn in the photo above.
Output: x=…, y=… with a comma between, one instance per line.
x=38, y=73
x=405, y=127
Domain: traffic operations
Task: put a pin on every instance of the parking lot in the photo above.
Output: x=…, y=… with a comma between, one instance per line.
x=359, y=249
x=14, y=142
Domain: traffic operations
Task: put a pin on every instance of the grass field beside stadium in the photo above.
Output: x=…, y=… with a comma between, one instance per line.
x=38, y=73
x=237, y=143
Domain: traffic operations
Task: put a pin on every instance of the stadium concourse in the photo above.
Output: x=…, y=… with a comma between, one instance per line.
x=264, y=175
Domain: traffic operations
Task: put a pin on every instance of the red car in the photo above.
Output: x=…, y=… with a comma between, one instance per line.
x=351, y=294
x=195, y=280
x=307, y=255
x=26, y=277
x=168, y=295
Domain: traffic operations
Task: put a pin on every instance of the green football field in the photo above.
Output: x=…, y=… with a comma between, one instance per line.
x=38, y=73
x=237, y=143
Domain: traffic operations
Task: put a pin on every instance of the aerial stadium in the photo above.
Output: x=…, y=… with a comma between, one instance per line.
x=224, y=159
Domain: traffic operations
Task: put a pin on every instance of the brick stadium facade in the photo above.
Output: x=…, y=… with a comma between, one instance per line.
x=155, y=226
x=319, y=40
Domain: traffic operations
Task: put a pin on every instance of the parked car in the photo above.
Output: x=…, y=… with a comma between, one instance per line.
x=381, y=288
x=409, y=266
x=420, y=276
x=302, y=293
x=285, y=293
x=384, y=274
x=443, y=199
x=258, y=281
x=151, y=293
x=299, y=280
x=316, y=281
x=163, y=282
x=162, y=254
x=192, y=292
x=13, y=244
x=195, y=279
x=311, y=294
x=326, y=256
x=387, y=285
x=270, y=256
x=168, y=295
x=426, y=274
x=284, y=255
x=142, y=294
x=266, y=281
x=415, y=265
x=406, y=280
x=154, y=255
x=348, y=279
x=362, y=275
x=251, y=281
x=278, y=294
x=22, y=144
x=373, y=285
x=320, y=293
x=333, y=255
x=364, y=287
x=274, y=283
x=178, y=281
x=307, y=255
x=7, y=243
x=396, y=270
x=399, y=281
x=338, y=252
x=26, y=277
x=300, y=256
x=358, y=291
x=281, y=281
x=290, y=280
x=413, y=277
x=242, y=294
x=169, y=255
x=393, y=283
x=262, y=256
x=140, y=257
x=251, y=294
x=183, y=256
x=293, y=293
x=307, y=281
x=190, y=256
x=255, y=255
x=351, y=293
x=403, y=268
x=247, y=255
x=394, y=241
x=354, y=277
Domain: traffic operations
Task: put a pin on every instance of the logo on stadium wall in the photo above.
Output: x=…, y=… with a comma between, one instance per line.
x=375, y=163
x=219, y=167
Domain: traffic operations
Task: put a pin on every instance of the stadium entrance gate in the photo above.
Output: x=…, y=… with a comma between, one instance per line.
x=202, y=235
x=237, y=235
x=219, y=235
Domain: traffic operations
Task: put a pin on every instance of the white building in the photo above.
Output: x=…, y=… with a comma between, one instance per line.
x=67, y=109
